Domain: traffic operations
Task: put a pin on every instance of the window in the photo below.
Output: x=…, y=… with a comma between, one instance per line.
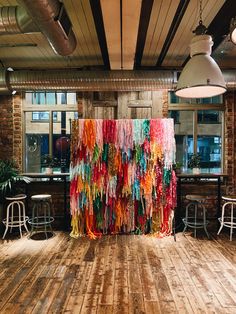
x=183, y=135
x=47, y=130
x=199, y=129
x=173, y=99
x=50, y=98
x=174, y=114
x=208, y=116
x=43, y=116
x=39, y=98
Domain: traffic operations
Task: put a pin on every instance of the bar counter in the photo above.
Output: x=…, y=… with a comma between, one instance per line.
x=197, y=179
x=57, y=177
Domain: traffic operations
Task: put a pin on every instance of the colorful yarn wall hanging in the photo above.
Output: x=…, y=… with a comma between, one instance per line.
x=121, y=177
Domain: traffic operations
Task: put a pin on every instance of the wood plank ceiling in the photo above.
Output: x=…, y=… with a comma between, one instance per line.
x=125, y=34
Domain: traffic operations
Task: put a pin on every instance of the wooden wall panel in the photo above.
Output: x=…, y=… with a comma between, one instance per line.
x=105, y=113
x=141, y=113
x=88, y=110
x=157, y=104
x=123, y=105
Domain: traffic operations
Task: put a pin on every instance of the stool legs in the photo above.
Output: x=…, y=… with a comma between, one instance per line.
x=41, y=218
x=7, y=222
x=193, y=221
x=46, y=214
x=205, y=221
x=227, y=221
x=15, y=221
x=3, y=237
x=232, y=221
x=222, y=219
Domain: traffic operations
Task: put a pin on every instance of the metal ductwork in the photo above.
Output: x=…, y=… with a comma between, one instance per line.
x=4, y=84
x=91, y=81
x=94, y=81
x=46, y=14
x=230, y=79
x=15, y=20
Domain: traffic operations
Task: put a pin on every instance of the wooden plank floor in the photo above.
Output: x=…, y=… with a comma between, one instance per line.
x=118, y=274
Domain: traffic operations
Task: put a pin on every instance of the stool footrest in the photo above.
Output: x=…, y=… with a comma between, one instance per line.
x=190, y=222
x=14, y=222
x=40, y=221
x=227, y=222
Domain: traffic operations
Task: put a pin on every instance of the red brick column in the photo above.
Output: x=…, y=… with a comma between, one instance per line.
x=17, y=129
x=230, y=140
x=165, y=102
x=6, y=127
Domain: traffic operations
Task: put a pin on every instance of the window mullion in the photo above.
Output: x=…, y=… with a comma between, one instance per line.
x=195, y=131
x=222, y=142
x=50, y=132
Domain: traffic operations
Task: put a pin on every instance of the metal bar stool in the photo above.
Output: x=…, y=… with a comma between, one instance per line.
x=41, y=214
x=227, y=218
x=195, y=216
x=15, y=214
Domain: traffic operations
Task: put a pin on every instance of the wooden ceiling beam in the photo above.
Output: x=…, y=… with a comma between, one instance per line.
x=146, y=10
x=219, y=28
x=98, y=20
x=183, y=4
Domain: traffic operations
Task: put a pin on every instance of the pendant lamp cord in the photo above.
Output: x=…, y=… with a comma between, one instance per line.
x=200, y=29
x=200, y=12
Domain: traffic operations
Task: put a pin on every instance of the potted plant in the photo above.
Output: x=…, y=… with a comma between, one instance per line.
x=9, y=174
x=48, y=162
x=194, y=163
x=178, y=167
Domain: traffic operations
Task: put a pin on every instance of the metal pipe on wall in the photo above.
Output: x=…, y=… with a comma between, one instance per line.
x=73, y=80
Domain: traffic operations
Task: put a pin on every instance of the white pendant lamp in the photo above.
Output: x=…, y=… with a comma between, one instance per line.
x=201, y=76
x=233, y=30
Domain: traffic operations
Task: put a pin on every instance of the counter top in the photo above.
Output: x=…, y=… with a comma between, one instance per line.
x=201, y=175
x=45, y=175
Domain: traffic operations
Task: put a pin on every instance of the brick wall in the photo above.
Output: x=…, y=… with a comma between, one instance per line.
x=230, y=140
x=17, y=129
x=6, y=127
x=165, y=103
x=11, y=128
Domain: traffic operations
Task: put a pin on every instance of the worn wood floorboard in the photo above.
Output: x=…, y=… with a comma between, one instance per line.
x=118, y=274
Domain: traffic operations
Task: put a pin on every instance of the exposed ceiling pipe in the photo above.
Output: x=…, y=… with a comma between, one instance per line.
x=230, y=79
x=116, y=80
x=5, y=88
x=45, y=13
x=94, y=81
x=15, y=20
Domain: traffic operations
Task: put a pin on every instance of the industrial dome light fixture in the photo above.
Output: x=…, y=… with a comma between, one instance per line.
x=233, y=30
x=201, y=76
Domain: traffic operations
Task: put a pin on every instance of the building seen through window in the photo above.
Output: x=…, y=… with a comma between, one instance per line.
x=198, y=132
x=48, y=130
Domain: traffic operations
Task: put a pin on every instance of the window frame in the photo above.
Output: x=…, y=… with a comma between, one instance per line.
x=26, y=108
x=194, y=108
